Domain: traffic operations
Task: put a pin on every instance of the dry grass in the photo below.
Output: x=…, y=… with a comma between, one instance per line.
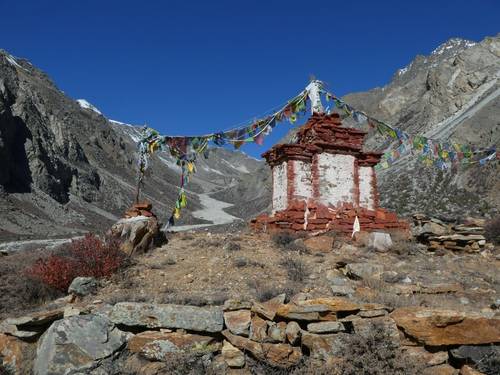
x=296, y=269
x=375, y=353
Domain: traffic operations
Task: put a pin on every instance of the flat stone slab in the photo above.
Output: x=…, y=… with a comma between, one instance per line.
x=436, y=327
x=200, y=319
x=326, y=327
x=76, y=345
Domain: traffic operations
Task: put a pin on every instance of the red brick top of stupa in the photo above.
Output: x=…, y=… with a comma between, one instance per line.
x=323, y=133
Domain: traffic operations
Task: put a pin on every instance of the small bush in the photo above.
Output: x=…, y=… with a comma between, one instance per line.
x=232, y=246
x=290, y=242
x=240, y=262
x=264, y=292
x=283, y=239
x=295, y=268
x=85, y=257
x=492, y=230
x=375, y=353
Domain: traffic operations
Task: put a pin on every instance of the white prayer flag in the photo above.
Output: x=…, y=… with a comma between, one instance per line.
x=355, y=227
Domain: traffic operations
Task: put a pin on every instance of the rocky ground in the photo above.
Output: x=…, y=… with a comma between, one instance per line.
x=201, y=299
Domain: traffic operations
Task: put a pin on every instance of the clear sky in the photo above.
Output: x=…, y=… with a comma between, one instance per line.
x=191, y=67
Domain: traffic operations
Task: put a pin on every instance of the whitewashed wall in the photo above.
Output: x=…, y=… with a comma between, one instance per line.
x=302, y=184
x=336, y=178
x=280, y=187
x=365, y=188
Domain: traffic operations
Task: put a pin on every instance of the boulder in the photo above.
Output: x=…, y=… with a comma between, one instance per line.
x=474, y=354
x=435, y=327
x=326, y=327
x=268, y=309
x=83, y=286
x=320, y=309
x=432, y=228
x=238, y=321
x=236, y=304
x=14, y=354
x=29, y=326
x=138, y=234
x=443, y=369
x=323, y=347
x=372, y=313
x=157, y=346
x=193, y=318
x=467, y=370
x=425, y=357
x=232, y=355
x=280, y=355
x=379, y=241
x=360, y=271
x=340, y=286
x=77, y=344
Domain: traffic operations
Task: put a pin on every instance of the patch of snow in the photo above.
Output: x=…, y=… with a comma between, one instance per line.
x=120, y=123
x=242, y=168
x=132, y=131
x=452, y=43
x=86, y=105
x=402, y=71
x=208, y=169
x=13, y=62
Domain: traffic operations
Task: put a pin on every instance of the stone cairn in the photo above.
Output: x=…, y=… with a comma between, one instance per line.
x=139, y=229
x=437, y=235
x=140, y=209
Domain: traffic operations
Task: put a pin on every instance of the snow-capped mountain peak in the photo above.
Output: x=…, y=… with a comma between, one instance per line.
x=86, y=105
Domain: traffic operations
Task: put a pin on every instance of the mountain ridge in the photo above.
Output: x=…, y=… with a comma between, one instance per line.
x=70, y=169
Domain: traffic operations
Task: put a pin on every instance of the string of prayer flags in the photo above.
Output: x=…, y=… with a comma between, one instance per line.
x=434, y=152
x=185, y=149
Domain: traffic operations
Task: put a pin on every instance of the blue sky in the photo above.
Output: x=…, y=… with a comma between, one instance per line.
x=190, y=67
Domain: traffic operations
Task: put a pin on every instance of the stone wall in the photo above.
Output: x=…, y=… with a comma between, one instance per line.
x=98, y=338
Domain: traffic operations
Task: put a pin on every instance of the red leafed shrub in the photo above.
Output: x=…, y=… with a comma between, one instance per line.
x=95, y=257
x=89, y=256
x=54, y=271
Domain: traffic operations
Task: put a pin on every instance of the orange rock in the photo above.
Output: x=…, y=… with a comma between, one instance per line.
x=258, y=329
x=440, y=370
x=143, y=206
x=142, y=342
x=268, y=309
x=467, y=370
x=282, y=355
x=13, y=352
x=435, y=327
x=238, y=321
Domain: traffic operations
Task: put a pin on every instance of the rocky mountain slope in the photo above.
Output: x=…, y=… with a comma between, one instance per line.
x=454, y=93
x=66, y=168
